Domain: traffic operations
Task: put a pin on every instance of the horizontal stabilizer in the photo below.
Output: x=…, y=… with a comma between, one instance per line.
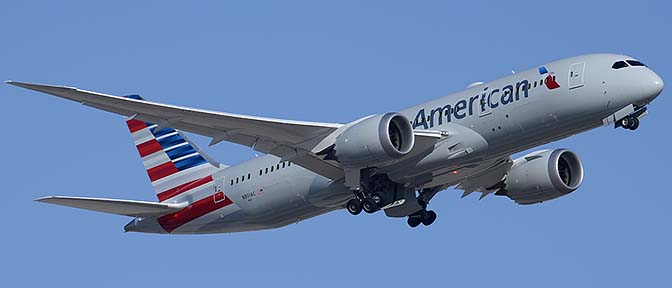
x=115, y=206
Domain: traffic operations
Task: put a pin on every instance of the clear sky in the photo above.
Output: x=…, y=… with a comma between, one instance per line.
x=331, y=62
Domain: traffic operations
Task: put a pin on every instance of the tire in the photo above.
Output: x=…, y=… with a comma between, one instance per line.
x=354, y=207
x=413, y=221
x=369, y=206
x=635, y=124
x=626, y=122
x=429, y=218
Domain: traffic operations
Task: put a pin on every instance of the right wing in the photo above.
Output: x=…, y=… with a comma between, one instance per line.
x=115, y=206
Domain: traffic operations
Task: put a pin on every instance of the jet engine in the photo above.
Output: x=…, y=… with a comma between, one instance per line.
x=374, y=141
x=542, y=176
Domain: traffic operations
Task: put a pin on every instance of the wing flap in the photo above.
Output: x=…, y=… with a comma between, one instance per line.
x=115, y=206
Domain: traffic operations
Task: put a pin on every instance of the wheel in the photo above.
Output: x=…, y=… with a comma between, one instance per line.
x=354, y=207
x=413, y=221
x=369, y=206
x=626, y=122
x=634, y=124
x=376, y=199
x=428, y=218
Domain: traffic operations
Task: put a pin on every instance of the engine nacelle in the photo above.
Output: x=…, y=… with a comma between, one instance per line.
x=375, y=141
x=542, y=176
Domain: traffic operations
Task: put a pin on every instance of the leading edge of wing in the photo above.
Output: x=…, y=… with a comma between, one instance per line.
x=63, y=92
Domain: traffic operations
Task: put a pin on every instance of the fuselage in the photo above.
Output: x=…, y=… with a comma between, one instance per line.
x=514, y=113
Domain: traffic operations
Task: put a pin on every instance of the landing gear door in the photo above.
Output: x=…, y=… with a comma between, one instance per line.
x=576, y=72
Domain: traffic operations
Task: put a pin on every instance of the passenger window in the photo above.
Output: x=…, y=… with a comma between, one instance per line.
x=277, y=167
x=635, y=63
x=619, y=65
x=261, y=172
x=535, y=84
x=243, y=179
x=248, y=176
x=271, y=168
x=231, y=182
x=266, y=170
x=236, y=180
x=289, y=163
x=283, y=164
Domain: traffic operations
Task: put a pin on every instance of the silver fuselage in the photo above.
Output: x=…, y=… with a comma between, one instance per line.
x=587, y=94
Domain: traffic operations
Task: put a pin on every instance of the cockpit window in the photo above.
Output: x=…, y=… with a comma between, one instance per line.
x=619, y=65
x=635, y=63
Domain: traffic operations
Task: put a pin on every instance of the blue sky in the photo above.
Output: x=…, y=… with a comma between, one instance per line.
x=331, y=62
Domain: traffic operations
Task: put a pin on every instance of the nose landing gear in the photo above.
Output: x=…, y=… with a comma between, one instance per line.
x=629, y=122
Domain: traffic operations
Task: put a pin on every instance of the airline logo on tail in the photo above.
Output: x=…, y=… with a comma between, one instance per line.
x=175, y=166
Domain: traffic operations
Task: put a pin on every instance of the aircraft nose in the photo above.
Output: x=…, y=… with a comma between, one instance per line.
x=652, y=86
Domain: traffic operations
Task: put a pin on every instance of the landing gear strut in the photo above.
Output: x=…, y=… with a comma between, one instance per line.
x=424, y=216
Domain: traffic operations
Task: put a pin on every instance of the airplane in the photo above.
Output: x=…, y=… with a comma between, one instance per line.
x=394, y=162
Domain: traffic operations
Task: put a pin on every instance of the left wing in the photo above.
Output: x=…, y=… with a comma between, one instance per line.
x=115, y=206
x=297, y=141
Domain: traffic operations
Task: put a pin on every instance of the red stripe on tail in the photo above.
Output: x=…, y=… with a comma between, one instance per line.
x=149, y=147
x=170, y=193
x=135, y=125
x=197, y=209
x=161, y=171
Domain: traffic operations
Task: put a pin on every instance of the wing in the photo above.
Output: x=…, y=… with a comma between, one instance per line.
x=298, y=141
x=115, y=206
x=487, y=181
x=291, y=140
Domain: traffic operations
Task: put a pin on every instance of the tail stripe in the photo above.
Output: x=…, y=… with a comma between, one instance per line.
x=197, y=209
x=161, y=171
x=135, y=125
x=173, y=163
x=149, y=147
x=170, y=193
x=180, y=152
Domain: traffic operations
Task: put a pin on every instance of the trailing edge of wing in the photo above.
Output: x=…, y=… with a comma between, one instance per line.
x=115, y=206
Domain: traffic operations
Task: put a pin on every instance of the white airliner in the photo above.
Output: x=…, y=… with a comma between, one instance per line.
x=395, y=162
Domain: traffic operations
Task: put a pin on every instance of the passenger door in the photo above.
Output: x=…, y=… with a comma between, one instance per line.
x=576, y=75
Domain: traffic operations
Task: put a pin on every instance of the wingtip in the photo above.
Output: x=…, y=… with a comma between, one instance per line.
x=10, y=82
x=45, y=199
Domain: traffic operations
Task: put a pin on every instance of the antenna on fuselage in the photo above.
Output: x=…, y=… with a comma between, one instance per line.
x=513, y=72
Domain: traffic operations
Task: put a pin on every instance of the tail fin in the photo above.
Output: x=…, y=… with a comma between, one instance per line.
x=174, y=164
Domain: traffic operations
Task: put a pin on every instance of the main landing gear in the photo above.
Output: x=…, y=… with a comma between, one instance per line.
x=370, y=203
x=424, y=216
